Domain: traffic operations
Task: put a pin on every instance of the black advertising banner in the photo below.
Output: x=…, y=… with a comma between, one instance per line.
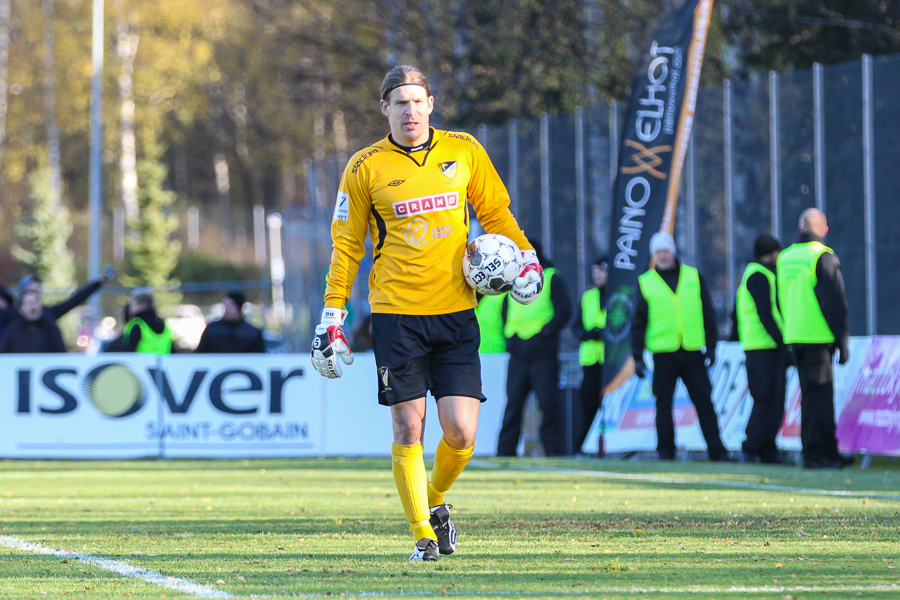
x=654, y=143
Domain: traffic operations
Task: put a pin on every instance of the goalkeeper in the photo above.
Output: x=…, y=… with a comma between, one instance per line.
x=410, y=193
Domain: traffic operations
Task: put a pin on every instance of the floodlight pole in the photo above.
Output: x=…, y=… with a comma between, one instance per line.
x=95, y=180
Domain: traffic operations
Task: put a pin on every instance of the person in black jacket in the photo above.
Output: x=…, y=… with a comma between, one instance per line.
x=33, y=283
x=814, y=305
x=231, y=334
x=683, y=347
x=33, y=330
x=532, y=340
x=142, y=308
x=759, y=327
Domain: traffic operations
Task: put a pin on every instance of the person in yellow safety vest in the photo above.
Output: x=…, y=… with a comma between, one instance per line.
x=532, y=340
x=490, y=323
x=814, y=305
x=759, y=329
x=146, y=332
x=588, y=326
x=675, y=320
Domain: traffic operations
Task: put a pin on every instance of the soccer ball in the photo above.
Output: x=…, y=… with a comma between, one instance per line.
x=491, y=264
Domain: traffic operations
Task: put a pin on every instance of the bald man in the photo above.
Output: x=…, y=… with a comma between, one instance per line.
x=814, y=306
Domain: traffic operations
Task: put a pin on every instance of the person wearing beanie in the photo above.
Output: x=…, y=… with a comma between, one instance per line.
x=231, y=334
x=814, y=305
x=590, y=322
x=33, y=283
x=674, y=318
x=759, y=327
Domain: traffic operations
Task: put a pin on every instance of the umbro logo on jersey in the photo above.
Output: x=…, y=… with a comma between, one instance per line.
x=448, y=168
x=427, y=204
x=396, y=182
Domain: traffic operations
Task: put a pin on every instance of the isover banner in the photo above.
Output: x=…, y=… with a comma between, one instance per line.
x=654, y=143
x=131, y=405
x=207, y=406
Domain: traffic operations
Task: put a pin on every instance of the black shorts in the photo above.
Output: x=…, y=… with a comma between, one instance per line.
x=416, y=354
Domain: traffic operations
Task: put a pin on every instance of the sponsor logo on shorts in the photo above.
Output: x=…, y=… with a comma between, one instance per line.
x=426, y=204
x=383, y=376
x=342, y=207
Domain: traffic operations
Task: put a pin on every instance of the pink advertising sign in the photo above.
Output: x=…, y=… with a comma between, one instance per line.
x=870, y=419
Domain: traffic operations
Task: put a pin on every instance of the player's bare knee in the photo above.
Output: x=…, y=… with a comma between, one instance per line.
x=460, y=437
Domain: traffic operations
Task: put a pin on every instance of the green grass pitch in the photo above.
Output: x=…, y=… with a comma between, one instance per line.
x=532, y=528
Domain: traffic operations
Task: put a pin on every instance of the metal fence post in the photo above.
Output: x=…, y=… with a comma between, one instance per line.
x=580, y=203
x=729, y=195
x=869, y=196
x=513, y=140
x=774, y=156
x=546, y=229
x=819, y=135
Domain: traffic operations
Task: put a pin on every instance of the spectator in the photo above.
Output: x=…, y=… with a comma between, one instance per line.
x=674, y=318
x=146, y=332
x=759, y=327
x=56, y=311
x=532, y=340
x=6, y=311
x=590, y=321
x=33, y=330
x=814, y=304
x=231, y=334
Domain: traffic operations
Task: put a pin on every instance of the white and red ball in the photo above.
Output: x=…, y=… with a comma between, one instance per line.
x=491, y=264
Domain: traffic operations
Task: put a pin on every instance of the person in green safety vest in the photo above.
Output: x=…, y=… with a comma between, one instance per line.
x=759, y=329
x=674, y=318
x=532, y=340
x=590, y=321
x=490, y=323
x=814, y=305
x=146, y=332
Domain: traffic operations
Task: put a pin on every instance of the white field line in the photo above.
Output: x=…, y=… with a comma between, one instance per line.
x=120, y=567
x=587, y=591
x=660, y=479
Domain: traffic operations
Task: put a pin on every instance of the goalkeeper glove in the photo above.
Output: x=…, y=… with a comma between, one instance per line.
x=329, y=343
x=530, y=282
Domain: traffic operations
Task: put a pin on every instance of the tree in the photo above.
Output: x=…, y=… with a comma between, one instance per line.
x=793, y=34
x=152, y=253
x=45, y=251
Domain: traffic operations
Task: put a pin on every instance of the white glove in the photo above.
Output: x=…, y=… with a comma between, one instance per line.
x=530, y=282
x=329, y=343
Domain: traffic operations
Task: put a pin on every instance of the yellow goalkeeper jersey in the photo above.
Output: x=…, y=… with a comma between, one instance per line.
x=413, y=204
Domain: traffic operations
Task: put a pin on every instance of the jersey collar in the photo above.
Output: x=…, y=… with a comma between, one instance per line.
x=423, y=146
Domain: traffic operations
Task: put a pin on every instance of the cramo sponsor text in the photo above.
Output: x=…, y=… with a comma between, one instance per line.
x=647, y=127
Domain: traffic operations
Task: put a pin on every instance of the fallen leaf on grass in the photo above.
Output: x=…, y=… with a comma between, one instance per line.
x=137, y=553
x=220, y=581
x=241, y=578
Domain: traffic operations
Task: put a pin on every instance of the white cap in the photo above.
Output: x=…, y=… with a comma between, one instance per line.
x=662, y=240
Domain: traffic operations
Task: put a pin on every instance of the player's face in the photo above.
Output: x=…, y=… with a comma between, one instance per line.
x=407, y=109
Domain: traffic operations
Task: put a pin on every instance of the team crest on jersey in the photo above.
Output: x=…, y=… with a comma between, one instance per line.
x=426, y=204
x=448, y=168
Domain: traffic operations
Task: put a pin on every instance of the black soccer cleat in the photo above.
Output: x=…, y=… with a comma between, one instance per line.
x=443, y=528
x=426, y=549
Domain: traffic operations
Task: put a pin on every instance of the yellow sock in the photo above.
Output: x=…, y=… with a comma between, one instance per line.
x=409, y=475
x=448, y=464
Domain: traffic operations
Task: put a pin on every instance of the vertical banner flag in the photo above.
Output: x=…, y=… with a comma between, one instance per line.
x=654, y=143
